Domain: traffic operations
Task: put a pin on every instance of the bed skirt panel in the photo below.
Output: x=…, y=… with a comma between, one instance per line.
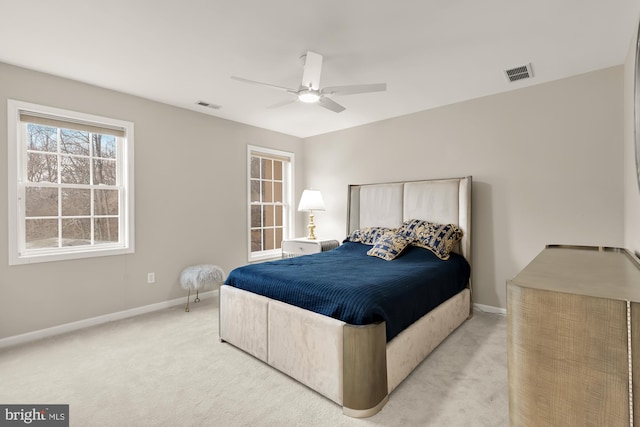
x=308, y=347
x=414, y=344
x=243, y=321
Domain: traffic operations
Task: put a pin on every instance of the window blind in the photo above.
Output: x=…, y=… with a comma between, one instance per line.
x=65, y=123
x=270, y=156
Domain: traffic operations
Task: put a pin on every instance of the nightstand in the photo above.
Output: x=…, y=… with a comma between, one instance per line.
x=303, y=246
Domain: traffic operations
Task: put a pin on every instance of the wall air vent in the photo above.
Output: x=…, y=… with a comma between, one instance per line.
x=519, y=73
x=208, y=105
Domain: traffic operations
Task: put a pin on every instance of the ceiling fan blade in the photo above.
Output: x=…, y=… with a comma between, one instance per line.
x=312, y=70
x=282, y=103
x=286, y=89
x=354, y=89
x=330, y=104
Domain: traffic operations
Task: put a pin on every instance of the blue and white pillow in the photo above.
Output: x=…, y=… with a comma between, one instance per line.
x=389, y=246
x=369, y=235
x=438, y=238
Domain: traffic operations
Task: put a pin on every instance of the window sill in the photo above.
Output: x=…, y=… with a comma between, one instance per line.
x=263, y=258
x=15, y=259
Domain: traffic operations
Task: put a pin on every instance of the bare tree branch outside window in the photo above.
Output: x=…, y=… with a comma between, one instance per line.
x=71, y=194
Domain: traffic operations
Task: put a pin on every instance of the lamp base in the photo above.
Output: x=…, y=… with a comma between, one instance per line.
x=311, y=227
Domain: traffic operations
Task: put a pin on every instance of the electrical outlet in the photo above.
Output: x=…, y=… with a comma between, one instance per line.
x=151, y=277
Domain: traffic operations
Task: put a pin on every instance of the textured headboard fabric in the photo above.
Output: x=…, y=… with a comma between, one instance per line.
x=444, y=201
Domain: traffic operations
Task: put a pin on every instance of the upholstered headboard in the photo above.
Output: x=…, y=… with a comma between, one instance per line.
x=444, y=201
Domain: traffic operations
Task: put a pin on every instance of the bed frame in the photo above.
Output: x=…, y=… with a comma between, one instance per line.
x=354, y=365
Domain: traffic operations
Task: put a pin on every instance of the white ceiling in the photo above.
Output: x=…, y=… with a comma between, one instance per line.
x=430, y=53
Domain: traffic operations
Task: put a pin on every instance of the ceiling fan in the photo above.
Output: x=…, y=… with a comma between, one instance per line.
x=309, y=90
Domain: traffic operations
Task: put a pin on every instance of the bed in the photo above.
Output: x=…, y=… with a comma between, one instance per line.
x=359, y=361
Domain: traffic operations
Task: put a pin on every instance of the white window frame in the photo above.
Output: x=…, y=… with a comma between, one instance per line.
x=17, y=164
x=288, y=191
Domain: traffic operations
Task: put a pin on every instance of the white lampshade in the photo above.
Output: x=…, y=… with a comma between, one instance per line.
x=311, y=200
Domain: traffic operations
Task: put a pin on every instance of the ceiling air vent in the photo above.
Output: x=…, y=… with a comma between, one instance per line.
x=208, y=105
x=519, y=73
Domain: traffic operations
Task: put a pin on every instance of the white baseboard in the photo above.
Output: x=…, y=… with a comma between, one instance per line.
x=68, y=327
x=490, y=309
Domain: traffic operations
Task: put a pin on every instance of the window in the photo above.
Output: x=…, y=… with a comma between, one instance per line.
x=270, y=199
x=70, y=184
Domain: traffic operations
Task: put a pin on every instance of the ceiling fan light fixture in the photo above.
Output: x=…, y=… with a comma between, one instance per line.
x=311, y=92
x=308, y=96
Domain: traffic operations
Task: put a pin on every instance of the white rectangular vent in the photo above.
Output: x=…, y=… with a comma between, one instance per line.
x=519, y=73
x=208, y=105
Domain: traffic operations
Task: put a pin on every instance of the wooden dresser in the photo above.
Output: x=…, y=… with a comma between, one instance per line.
x=571, y=315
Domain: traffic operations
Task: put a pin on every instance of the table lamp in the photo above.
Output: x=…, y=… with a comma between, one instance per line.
x=310, y=201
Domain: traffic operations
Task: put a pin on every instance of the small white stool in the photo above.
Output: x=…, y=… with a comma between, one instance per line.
x=198, y=277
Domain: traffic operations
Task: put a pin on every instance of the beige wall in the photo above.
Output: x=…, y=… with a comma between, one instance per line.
x=632, y=193
x=546, y=163
x=190, y=187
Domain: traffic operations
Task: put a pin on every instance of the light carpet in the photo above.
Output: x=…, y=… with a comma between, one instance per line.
x=168, y=368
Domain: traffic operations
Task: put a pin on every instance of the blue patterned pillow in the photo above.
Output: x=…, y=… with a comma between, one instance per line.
x=389, y=246
x=438, y=238
x=368, y=235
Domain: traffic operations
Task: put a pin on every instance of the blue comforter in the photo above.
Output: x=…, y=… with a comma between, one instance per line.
x=358, y=289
